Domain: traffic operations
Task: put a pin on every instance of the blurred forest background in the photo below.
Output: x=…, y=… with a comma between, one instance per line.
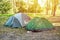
x=44, y=7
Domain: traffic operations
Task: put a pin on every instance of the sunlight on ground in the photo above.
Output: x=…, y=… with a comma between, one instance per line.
x=32, y=15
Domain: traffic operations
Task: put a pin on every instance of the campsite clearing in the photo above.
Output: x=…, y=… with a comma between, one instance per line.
x=7, y=33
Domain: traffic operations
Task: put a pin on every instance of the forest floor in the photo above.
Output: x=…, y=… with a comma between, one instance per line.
x=7, y=33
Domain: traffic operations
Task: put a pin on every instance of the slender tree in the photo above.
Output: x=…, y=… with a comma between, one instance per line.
x=54, y=6
x=47, y=7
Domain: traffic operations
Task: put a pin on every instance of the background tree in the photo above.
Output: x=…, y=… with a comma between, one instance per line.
x=5, y=6
x=21, y=6
x=35, y=7
x=47, y=7
x=54, y=6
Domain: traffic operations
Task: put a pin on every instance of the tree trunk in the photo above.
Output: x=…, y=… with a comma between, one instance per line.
x=54, y=6
x=47, y=8
x=54, y=10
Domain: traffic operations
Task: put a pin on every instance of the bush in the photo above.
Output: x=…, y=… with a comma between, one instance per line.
x=5, y=6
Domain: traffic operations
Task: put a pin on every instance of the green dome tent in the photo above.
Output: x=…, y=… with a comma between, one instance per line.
x=37, y=24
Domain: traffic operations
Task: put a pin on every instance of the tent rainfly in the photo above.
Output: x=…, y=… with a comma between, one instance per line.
x=17, y=20
x=39, y=24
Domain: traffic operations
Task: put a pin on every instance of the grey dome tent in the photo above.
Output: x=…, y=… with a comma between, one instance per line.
x=17, y=20
x=39, y=24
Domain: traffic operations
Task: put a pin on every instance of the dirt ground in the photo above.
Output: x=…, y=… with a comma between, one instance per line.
x=16, y=34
